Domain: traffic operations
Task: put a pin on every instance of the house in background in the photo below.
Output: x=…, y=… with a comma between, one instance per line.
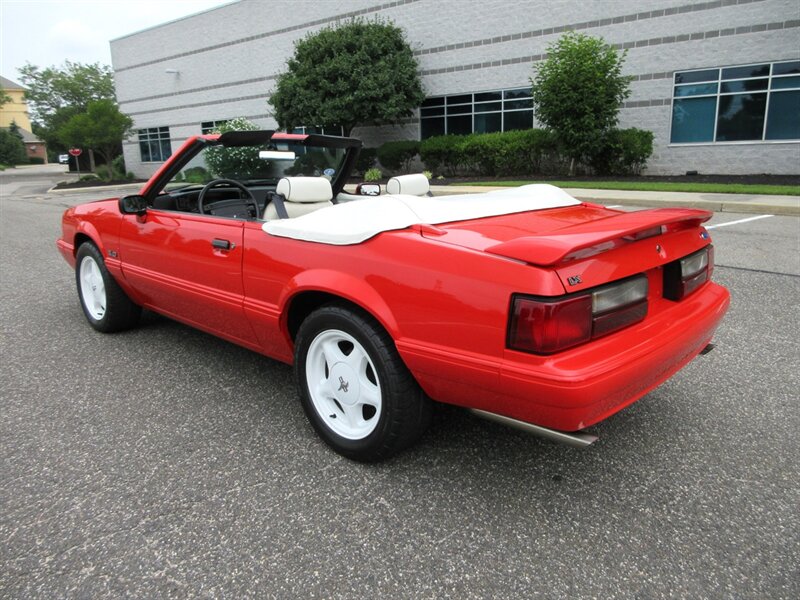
x=16, y=111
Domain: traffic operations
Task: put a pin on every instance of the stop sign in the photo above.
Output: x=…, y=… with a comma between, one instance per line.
x=75, y=151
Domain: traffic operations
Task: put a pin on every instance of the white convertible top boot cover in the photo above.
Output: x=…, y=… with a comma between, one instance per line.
x=358, y=221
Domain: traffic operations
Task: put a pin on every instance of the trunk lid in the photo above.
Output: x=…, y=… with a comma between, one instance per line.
x=587, y=245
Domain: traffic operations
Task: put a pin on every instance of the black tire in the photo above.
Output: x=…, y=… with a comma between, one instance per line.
x=117, y=312
x=404, y=411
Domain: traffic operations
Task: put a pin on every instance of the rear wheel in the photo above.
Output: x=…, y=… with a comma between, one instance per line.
x=106, y=306
x=354, y=387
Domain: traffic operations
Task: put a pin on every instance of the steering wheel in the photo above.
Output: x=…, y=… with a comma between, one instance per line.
x=247, y=199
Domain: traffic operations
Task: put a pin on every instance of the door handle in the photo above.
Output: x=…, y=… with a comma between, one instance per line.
x=222, y=244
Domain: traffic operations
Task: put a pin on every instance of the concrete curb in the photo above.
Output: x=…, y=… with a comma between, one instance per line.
x=101, y=189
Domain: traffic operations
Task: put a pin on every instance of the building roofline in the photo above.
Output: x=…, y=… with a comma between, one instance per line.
x=202, y=12
x=8, y=84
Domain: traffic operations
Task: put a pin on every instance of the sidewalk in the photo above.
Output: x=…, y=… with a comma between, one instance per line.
x=736, y=203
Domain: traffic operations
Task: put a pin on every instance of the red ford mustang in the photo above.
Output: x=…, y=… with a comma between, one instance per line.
x=525, y=305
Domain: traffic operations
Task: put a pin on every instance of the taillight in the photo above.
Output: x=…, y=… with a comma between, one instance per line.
x=545, y=325
x=682, y=277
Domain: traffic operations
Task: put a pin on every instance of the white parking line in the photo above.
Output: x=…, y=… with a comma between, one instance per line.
x=739, y=221
x=614, y=206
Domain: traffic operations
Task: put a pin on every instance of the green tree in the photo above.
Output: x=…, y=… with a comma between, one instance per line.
x=4, y=98
x=578, y=91
x=12, y=150
x=102, y=128
x=360, y=73
x=56, y=94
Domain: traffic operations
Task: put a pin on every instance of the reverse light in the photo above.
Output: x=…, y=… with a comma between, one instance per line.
x=682, y=277
x=549, y=325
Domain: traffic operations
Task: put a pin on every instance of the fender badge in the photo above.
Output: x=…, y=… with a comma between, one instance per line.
x=658, y=248
x=704, y=235
x=112, y=253
x=574, y=280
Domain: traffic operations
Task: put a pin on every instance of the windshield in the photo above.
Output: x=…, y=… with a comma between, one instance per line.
x=260, y=164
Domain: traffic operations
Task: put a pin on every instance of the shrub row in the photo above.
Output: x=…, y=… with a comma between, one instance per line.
x=397, y=156
x=510, y=153
x=525, y=152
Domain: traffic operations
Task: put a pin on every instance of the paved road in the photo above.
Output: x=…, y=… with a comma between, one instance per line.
x=166, y=463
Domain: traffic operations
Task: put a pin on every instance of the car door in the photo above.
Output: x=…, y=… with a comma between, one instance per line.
x=189, y=267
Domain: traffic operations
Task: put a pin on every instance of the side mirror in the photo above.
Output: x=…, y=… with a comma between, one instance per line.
x=368, y=189
x=133, y=205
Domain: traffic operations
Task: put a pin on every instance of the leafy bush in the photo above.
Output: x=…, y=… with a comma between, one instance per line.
x=230, y=162
x=622, y=152
x=366, y=159
x=12, y=150
x=88, y=178
x=508, y=153
x=442, y=153
x=534, y=152
x=196, y=175
x=373, y=174
x=428, y=175
x=397, y=156
x=118, y=167
x=103, y=172
x=36, y=160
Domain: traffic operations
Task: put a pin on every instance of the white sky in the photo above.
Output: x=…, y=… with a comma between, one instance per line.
x=48, y=32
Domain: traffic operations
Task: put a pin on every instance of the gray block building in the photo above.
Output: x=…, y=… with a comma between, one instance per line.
x=717, y=82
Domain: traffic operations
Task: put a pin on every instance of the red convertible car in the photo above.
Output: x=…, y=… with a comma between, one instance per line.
x=525, y=305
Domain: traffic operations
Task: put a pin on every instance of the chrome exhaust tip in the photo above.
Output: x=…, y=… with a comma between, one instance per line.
x=576, y=439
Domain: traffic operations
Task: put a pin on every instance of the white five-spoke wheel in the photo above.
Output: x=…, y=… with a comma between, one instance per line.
x=93, y=288
x=105, y=304
x=343, y=385
x=354, y=387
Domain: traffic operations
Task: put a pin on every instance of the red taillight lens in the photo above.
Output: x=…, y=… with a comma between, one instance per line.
x=546, y=327
x=682, y=277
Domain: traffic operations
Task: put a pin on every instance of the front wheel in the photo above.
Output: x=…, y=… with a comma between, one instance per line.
x=354, y=387
x=106, y=306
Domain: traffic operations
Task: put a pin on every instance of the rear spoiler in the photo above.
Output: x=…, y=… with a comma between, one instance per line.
x=604, y=234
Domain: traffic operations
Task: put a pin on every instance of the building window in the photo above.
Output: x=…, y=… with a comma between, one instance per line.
x=154, y=144
x=331, y=130
x=481, y=112
x=212, y=126
x=734, y=104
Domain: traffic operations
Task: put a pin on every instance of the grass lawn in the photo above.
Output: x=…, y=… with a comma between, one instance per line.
x=655, y=186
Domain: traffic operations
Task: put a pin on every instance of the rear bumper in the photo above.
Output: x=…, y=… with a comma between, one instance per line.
x=582, y=386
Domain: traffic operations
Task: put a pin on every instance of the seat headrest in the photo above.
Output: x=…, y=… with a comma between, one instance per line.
x=413, y=185
x=305, y=189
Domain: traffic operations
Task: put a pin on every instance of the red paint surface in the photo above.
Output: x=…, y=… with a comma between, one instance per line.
x=442, y=293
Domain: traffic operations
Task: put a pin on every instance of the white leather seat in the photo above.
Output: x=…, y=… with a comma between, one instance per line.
x=411, y=185
x=302, y=195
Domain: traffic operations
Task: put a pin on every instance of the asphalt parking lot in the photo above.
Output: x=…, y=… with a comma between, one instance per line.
x=163, y=462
